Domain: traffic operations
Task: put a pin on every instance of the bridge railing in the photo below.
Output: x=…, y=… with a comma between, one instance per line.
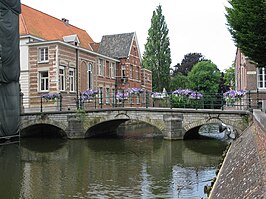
x=71, y=102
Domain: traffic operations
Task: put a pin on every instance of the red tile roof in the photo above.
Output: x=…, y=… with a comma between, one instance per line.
x=39, y=24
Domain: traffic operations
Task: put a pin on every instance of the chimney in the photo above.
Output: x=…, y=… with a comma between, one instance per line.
x=66, y=21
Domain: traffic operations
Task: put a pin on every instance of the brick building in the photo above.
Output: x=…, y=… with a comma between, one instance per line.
x=250, y=78
x=124, y=47
x=57, y=57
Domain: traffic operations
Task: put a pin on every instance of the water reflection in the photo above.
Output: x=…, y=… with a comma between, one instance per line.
x=107, y=168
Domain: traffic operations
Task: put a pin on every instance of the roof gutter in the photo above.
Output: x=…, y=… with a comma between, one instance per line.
x=30, y=36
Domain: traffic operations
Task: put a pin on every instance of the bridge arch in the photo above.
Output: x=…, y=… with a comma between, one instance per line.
x=106, y=127
x=191, y=130
x=42, y=129
x=109, y=127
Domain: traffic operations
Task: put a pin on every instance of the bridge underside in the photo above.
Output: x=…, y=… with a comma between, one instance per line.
x=124, y=128
x=106, y=129
x=193, y=133
x=43, y=130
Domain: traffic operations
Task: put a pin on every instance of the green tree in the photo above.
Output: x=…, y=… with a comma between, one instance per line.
x=229, y=77
x=187, y=63
x=179, y=81
x=204, y=77
x=246, y=23
x=157, y=55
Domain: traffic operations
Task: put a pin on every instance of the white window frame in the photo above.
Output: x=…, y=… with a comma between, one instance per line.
x=107, y=96
x=62, y=78
x=109, y=69
x=123, y=70
x=90, y=76
x=113, y=70
x=113, y=96
x=43, y=81
x=43, y=54
x=101, y=67
x=71, y=78
x=261, y=82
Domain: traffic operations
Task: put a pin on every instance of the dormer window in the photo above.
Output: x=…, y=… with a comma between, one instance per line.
x=72, y=39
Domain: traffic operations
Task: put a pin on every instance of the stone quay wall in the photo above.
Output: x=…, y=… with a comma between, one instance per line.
x=243, y=173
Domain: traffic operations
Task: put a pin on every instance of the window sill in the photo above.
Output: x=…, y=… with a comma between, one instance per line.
x=43, y=62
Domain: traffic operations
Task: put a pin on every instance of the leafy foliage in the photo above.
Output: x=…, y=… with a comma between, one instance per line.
x=204, y=77
x=187, y=63
x=179, y=81
x=246, y=23
x=185, y=98
x=157, y=55
x=229, y=77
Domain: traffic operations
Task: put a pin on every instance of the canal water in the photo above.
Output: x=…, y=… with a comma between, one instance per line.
x=101, y=168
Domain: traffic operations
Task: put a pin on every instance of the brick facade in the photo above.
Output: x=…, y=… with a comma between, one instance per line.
x=246, y=74
x=64, y=59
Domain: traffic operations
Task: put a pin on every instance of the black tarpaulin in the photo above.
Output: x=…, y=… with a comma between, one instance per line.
x=9, y=67
x=9, y=109
x=9, y=42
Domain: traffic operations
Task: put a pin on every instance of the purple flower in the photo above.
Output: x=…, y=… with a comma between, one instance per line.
x=51, y=96
x=195, y=95
x=187, y=93
x=121, y=96
x=157, y=95
x=182, y=92
x=88, y=94
x=234, y=94
x=135, y=91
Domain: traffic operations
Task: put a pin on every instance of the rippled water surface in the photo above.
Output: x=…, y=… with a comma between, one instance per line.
x=107, y=168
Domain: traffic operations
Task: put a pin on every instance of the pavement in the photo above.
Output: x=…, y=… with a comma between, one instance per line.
x=243, y=173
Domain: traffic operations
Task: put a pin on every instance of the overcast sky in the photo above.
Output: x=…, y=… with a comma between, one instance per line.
x=194, y=25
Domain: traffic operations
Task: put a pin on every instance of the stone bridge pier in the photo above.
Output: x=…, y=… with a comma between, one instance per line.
x=173, y=126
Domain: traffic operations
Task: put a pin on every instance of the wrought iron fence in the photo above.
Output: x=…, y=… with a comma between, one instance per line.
x=122, y=98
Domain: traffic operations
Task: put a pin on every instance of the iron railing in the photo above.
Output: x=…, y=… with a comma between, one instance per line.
x=251, y=100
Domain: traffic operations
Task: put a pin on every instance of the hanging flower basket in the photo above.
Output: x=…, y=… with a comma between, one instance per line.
x=187, y=93
x=121, y=96
x=158, y=95
x=135, y=91
x=51, y=96
x=232, y=96
x=88, y=94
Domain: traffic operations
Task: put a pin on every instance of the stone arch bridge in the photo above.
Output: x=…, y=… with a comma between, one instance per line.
x=173, y=123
